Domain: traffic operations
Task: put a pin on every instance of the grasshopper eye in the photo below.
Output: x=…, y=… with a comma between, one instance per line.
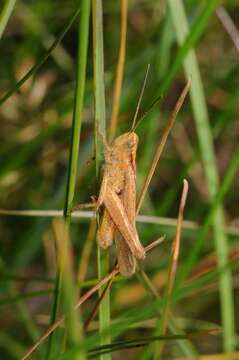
x=130, y=144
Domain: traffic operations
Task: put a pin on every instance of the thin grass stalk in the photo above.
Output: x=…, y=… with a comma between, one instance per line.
x=144, y=219
x=162, y=326
x=61, y=320
x=5, y=14
x=99, y=98
x=120, y=70
x=82, y=299
x=162, y=142
x=83, y=35
x=208, y=156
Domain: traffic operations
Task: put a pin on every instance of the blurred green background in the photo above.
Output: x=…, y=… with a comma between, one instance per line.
x=36, y=121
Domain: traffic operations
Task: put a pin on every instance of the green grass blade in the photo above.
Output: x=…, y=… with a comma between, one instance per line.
x=83, y=35
x=99, y=95
x=70, y=295
x=5, y=14
x=37, y=66
x=207, y=152
x=189, y=42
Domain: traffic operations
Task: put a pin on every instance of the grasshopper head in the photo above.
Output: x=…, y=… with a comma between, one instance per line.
x=127, y=142
x=124, y=148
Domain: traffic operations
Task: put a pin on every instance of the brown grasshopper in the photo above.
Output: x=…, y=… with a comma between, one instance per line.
x=118, y=192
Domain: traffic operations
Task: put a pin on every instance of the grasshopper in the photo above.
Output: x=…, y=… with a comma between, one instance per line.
x=118, y=191
x=118, y=195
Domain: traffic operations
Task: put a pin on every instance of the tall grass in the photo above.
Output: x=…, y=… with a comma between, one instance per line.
x=100, y=128
x=205, y=137
x=64, y=280
x=117, y=318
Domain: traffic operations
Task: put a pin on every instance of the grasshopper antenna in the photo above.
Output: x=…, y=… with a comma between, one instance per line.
x=146, y=112
x=140, y=98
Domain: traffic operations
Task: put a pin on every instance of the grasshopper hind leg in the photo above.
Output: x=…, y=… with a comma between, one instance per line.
x=126, y=260
x=105, y=233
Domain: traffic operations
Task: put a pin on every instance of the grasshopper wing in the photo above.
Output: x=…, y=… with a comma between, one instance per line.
x=119, y=216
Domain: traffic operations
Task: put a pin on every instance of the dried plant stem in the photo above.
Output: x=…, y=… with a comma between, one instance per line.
x=97, y=305
x=82, y=299
x=119, y=71
x=162, y=143
x=144, y=219
x=61, y=320
x=172, y=272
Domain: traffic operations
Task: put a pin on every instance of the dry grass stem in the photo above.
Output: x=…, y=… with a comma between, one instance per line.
x=162, y=143
x=82, y=299
x=120, y=70
x=176, y=243
x=97, y=305
x=145, y=219
x=172, y=270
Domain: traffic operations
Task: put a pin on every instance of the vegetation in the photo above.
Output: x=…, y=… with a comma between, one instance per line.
x=70, y=75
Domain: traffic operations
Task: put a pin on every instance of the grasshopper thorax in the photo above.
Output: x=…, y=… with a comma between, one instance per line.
x=120, y=158
x=126, y=143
